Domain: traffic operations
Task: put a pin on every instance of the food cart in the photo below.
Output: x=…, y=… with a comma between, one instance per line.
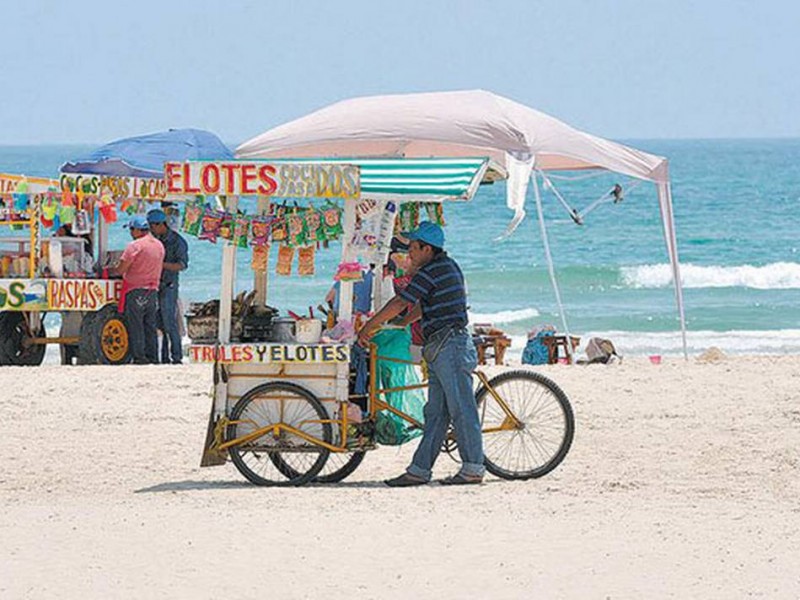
x=286, y=405
x=42, y=273
x=52, y=269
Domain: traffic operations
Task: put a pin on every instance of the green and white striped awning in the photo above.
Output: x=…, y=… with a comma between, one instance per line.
x=426, y=179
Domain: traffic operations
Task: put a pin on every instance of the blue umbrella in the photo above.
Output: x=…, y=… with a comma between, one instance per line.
x=145, y=155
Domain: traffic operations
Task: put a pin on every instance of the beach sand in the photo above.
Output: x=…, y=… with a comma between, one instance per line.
x=683, y=481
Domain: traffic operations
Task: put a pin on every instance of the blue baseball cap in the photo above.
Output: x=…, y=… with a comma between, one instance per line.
x=156, y=216
x=428, y=233
x=138, y=222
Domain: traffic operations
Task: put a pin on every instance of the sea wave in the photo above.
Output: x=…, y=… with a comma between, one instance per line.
x=503, y=316
x=735, y=342
x=774, y=276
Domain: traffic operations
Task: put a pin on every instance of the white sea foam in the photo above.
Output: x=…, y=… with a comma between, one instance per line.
x=504, y=316
x=774, y=276
x=638, y=343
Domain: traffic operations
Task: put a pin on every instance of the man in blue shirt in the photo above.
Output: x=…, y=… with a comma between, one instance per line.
x=176, y=259
x=437, y=291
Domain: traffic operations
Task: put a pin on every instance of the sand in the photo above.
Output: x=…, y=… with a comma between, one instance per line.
x=683, y=482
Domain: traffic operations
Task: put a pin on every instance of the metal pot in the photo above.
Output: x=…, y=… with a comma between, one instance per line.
x=283, y=330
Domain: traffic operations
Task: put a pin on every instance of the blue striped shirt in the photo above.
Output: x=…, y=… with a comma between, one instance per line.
x=439, y=288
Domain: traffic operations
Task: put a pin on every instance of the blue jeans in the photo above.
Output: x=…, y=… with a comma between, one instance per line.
x=450, y=399
x=171, y=350
x=141, y=308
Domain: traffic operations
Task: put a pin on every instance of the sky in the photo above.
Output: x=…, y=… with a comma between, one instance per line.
x=92, y=72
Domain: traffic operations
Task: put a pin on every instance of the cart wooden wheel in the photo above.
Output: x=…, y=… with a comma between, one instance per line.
x=540, y=438
x=104, y=338
x=114, y=340
x=337, y=468
x=14, y=335
x=269, y=406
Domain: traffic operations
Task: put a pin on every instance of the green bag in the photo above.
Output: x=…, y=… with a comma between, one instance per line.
x=391, y=429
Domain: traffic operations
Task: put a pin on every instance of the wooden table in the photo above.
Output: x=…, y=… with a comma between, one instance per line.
x=556, y=343
x=496, y=345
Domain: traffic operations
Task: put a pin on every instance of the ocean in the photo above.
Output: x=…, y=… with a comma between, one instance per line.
x=738, y=227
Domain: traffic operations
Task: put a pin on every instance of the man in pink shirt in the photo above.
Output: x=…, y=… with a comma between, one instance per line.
x=140, y=266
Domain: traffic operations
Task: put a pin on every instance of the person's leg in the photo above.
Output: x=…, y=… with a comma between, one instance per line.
x=169, y=312
x=134, y=321
x=149, y=324
x=162, y=302
x=454, y=366
x=436, y=421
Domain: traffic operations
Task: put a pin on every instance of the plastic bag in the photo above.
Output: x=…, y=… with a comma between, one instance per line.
x=391, y=429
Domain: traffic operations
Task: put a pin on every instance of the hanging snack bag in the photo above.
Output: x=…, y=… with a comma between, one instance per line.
x=241, y=226
x=407, y=218
x=297, y=230
x=313, y=225
x=260, y=230
x=192, y=217
x=332, y=222
x=435, y=212
x=210, y=225
x=260, y=258
x=285, y=257
x=305, y=260
x=280, y=232
x=226, y=227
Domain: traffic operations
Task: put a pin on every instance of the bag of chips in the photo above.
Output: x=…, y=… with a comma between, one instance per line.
x=407, y=218
x=305, y=260
x=313, y=225
x=210, y=225
x=226, y=227
x=260, y=258
x=435, y=212
x=192, y=217
x=332, y=222
x=260, y=230
x=280, y=232
x=285, y=257
x=297, y=229
x=241, y=226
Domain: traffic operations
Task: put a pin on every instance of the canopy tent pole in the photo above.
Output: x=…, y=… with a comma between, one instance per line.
x=549, y=258
x=668, y=221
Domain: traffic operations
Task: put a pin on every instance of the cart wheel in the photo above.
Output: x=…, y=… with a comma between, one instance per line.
x=337, y=468
x=272, y=404
x=14, y=331
x=104, y=338
x=541, y=441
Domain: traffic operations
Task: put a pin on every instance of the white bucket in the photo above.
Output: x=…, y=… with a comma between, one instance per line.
x=308, y=331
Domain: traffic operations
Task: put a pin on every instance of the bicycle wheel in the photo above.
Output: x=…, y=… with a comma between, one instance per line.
x=271, y=404
x=547, y=425
x=339, y=466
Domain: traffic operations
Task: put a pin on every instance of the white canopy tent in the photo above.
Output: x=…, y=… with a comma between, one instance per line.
x=518, y=141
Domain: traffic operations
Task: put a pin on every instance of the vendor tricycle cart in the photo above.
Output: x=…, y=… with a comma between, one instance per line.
x=290, y=411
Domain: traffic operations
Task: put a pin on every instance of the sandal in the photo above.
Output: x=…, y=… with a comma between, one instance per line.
x=462, y=479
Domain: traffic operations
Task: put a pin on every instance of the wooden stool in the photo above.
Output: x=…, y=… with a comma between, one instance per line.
x=555, y=343
x=498, y=344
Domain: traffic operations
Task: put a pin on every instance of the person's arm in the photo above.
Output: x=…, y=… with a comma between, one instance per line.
x=415, y=314
x=419, y=287
x=183, y=257
x=126, y=260
x=122, y=266
x=393, y=308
